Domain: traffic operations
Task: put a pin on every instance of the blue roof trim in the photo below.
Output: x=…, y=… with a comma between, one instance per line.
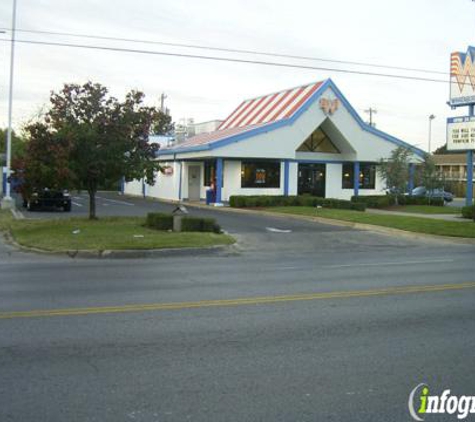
x=370, y=129
x=276, y=125
x=205, y=147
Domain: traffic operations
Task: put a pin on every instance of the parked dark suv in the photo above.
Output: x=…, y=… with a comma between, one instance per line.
x=48, y=198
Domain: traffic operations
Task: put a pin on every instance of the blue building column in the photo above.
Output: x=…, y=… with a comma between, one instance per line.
x=286, y=177
x=356, y=178
x=219, y=179
x=180, y=180
x=412, y=170
x=469, y=196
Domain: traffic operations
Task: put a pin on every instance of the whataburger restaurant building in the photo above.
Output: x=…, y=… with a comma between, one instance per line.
x=304, y=140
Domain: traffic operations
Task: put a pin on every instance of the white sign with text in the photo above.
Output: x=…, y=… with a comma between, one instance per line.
x=461, y=133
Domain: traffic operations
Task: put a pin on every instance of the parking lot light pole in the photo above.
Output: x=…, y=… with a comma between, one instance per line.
x=7, y=201
x=431, y=117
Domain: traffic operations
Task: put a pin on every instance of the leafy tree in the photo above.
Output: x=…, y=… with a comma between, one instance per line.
x=18, y=145
x=443, y=151
x=45, y=162
x=395, y=171
x=96, y=139
x=429, y=175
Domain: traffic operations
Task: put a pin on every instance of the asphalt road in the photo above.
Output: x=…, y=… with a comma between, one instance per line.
x=301, y=324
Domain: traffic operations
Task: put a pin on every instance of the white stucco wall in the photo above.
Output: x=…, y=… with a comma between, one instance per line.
x=333, y=186
x=133, y=188
x=293, y=178
x=165, y=187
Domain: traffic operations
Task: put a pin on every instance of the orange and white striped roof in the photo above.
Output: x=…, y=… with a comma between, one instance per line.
x=269, y=108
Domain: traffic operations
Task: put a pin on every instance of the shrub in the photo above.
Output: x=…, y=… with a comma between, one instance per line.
x=197, y=224
x=376, y=201
x=236, y=201
x=468, y=212
x=159, y=221
x=384, y=201
x=342, y=204
x=288, y=201
x=421, y=200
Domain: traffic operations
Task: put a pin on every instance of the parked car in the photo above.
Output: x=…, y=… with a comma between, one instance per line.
x=47, y=198
x=421, y=191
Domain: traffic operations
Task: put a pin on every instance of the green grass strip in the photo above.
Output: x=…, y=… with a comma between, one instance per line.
x=412, y=224
x=112, y=233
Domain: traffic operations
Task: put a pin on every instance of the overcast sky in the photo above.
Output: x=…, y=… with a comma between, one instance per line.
x=405, y=33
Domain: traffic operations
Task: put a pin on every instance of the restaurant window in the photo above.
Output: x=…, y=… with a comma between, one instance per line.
x=367, y=176
x=256, y=174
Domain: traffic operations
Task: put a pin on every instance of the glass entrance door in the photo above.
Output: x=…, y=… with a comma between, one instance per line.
x=312, y=179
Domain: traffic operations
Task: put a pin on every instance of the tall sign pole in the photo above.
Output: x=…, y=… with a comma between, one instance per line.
x=7, y=201
x=461, y=130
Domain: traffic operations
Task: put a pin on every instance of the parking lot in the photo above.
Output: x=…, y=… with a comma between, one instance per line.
x=254, y=232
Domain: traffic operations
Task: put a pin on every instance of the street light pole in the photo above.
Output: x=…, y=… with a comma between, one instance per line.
x=431, y=117
x=7, y=201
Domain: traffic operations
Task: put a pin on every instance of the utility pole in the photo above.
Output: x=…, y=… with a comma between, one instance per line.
x=163, y=97
x=7, y=201
x=371, y=111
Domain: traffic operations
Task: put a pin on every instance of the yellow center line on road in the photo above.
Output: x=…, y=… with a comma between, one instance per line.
x=262, y=300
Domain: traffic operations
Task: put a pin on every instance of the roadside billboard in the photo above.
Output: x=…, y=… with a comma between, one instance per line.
x=461, y=133
x=462, y=78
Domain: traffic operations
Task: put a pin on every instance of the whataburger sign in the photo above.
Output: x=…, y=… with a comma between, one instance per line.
x=462, y=78
x=461, y=130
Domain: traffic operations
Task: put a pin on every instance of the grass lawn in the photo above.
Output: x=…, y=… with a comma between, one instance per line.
x=412, y=224
x=425, y=209
x=113, y=233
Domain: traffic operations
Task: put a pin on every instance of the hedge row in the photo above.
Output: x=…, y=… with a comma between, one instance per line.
x=161, y=221
x=241, y=201
x=197, y=224
x=384, y=201
x=468, y=212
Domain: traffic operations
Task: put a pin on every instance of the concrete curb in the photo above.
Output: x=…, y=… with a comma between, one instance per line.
x=340, y=223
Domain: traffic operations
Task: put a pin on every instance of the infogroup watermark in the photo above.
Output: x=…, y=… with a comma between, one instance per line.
x=421, y=403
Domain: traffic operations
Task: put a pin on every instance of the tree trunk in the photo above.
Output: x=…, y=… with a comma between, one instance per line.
x=92, y=205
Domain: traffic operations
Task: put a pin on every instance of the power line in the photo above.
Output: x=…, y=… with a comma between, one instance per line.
x=228, y=50
x=229, y=59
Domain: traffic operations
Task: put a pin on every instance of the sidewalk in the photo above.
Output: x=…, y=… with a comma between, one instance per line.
x=446, y=217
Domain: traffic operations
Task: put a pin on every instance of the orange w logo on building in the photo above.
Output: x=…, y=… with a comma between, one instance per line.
x=329, y=106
